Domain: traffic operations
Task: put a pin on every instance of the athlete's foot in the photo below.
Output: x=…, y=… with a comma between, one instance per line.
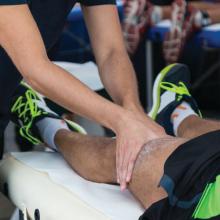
x=28, y=110
x=172, y=102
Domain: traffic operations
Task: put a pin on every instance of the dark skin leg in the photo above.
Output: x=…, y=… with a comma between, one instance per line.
x=94, y=159
x=194, y=126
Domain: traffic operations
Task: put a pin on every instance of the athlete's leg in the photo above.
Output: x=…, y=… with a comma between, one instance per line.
x=193, y=166
x=175, y=109
x=196, y=163
x=94, y=159
x=88, y=154
x=194, y=126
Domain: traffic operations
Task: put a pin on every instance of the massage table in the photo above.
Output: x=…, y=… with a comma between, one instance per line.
x=87, y=73
x=44, y=187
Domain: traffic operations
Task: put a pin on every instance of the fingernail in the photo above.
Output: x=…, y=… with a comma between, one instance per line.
x=128, y=179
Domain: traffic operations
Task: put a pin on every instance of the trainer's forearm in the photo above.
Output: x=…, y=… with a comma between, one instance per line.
x=64, y=89
x=119, y=78
x=108, y=46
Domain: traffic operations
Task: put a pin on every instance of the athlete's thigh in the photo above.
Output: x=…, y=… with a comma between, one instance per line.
x=149, y=169
x=192, y=182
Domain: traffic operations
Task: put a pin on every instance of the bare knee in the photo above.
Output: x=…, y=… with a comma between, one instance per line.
x=149, y=169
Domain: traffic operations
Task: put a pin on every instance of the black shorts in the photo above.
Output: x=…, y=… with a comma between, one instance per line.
x=192, y=181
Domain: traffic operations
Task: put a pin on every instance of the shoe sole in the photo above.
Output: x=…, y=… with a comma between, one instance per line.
x=156, y=91
x=76, y=126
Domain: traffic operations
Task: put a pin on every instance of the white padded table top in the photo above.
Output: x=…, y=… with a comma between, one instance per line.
x=44, y=181
x=87, y=73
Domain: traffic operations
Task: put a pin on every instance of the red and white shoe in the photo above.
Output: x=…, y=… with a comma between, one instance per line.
x=185, y=21
x=173, y=39
x=138, y=15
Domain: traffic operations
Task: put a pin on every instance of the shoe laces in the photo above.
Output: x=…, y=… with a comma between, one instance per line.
x=27, y=111
x=180, y=90
x=27, y=107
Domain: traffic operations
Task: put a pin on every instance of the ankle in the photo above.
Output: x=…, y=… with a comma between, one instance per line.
x=185, y=126
x=64, y=134
x=182, y=111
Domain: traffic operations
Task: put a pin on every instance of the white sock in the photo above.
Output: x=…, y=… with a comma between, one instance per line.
x=182, y=111
x=48, y=127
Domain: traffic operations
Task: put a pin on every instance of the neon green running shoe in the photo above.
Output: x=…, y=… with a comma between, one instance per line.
x=27, y=108
x=170, y=89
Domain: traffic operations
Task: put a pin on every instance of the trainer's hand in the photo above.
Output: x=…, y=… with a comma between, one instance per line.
x=134, y=131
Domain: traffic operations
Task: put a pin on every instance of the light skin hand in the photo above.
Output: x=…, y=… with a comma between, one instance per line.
x=136, y=131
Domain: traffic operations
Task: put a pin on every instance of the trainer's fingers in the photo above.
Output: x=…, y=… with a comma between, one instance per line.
x=130, y=169
x=124, y=168
x=122, y=147
x=118, y=162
